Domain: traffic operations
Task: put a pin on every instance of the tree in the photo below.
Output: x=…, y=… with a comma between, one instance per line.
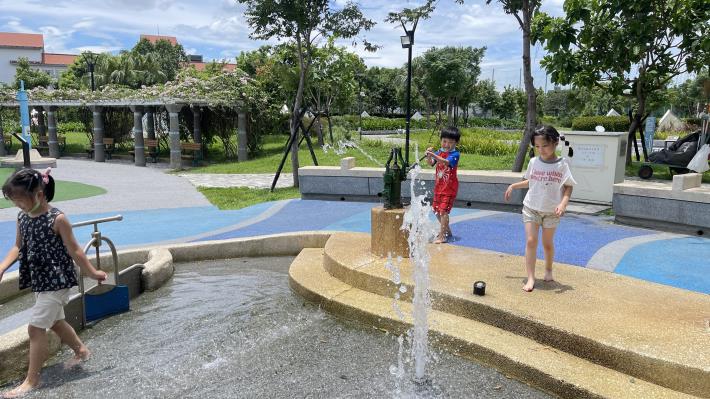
x=487, y=96
x=382, y=88
x=688, y=97
x=332, y=75
x=512, y=103
x=451, y=73
x=556, y=103
x=636, y=46
x=303, y=22
x=524, y=11
x=332, y=79
x=170, y=57
x=32, y=77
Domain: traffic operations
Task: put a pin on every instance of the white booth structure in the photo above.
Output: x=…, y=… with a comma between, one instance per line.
x=599, y=161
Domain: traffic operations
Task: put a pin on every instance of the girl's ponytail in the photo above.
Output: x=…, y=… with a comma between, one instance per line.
x=570, y=151
x=47, y=184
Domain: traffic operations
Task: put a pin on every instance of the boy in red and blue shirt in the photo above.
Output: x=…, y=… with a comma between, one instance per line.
x=446, y=184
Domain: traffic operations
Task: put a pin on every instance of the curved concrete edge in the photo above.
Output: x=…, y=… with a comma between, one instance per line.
x=608, y=257
x=10, y=286
x=284, y=244
x=158, y=268
x=522, y=358
x=14, y=352
x=645, y=366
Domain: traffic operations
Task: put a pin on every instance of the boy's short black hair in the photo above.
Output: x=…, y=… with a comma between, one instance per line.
x=451, y=132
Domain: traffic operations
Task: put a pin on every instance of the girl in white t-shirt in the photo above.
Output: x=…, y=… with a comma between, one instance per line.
x=549, y=183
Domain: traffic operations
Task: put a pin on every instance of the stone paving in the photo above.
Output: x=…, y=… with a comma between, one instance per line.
x=160, y=207
x=260, y=180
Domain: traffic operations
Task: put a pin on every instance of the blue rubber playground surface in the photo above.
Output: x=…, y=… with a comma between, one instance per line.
x=678, y=261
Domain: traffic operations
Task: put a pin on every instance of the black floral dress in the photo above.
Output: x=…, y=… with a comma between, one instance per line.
x=45, y=264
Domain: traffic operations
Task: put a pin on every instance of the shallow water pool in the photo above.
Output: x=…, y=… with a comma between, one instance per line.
x=233, y=329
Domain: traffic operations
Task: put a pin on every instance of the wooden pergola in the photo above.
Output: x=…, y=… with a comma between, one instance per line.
x=139, y=108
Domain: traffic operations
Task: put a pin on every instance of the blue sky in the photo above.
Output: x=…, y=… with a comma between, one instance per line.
x=217, y=29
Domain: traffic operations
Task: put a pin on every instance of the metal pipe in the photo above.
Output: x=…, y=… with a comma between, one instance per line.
x=101, y=220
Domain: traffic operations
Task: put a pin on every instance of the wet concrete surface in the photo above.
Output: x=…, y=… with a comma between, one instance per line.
x=233, y=329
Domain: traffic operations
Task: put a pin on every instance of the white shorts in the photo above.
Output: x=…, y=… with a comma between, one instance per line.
x=49, y=308
x=547, y=220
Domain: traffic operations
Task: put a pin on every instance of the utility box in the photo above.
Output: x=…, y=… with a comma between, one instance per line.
x=599, y=161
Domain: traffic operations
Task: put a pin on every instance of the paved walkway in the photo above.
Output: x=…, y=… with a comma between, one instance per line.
x=260, y=180
x=162, y=208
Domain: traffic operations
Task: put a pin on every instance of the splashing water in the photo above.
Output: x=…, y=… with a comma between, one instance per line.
x=341, y=148
x=421, y=231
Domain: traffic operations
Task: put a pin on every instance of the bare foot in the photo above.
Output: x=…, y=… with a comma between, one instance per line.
x=440, y=240
x=20, y=391
x=530, y=285
x=81, y=356
x=548, y=276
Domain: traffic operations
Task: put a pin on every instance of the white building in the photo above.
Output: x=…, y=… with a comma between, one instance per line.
x=14, y=46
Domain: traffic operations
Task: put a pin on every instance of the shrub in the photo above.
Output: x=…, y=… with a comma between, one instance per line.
x=487, y=146
x=610, y=123
x=69, y=127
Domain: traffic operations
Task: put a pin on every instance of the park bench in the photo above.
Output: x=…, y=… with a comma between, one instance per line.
x=43, y=144
x=150, y=148
x=109, y=147
x=191, y=151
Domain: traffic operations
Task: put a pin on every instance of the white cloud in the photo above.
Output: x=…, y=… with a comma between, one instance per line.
x=217, y=29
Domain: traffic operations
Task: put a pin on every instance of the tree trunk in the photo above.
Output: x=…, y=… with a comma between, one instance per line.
x=531, y=118
x=635, y=124
x=296, y=114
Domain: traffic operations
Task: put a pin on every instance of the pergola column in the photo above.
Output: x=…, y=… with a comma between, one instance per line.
x=41, y=128
x=53, y=141
x=196, y=126
x=3, y=152
x=99, y=153
x=174, y=111
x=138, y=143
x=197, y=122
x=242, y=138
x=150, y=122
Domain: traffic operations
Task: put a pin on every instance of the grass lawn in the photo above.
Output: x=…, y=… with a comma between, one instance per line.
x=239, y=197
x=65, y=190
x=273, y=147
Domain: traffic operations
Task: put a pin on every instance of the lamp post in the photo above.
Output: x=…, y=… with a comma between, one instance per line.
x=90, y=59
x=408, y=42
x=360, y=95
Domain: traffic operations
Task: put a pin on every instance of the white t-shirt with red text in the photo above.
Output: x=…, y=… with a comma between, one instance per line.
x=546, y=181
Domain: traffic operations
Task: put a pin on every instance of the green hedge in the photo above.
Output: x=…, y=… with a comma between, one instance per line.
x=69, y=127
x=380, y=123
x=610, y=123
x=495, y=123
x=486, y=146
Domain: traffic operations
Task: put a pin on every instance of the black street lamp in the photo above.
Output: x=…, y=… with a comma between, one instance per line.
x=360, y=95
x=90, y=59
x=408, y=42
